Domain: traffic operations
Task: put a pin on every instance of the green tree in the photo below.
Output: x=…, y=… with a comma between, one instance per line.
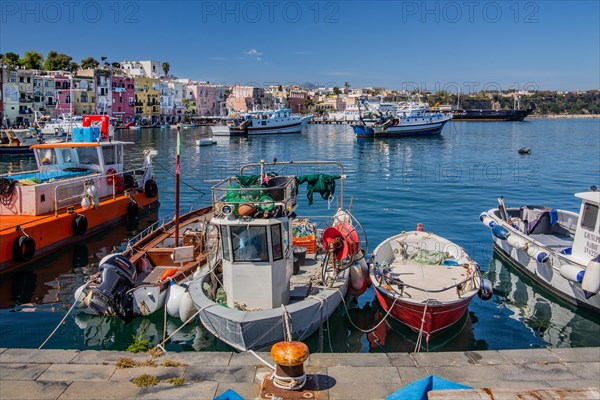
x=104, y=61
x=89, y=62
x=166, y=67
x=336, y=90
x=73, y=67
x=57, y=61
x=32, y=60
x=346, y=87
x=115, y=65
x=11, y=60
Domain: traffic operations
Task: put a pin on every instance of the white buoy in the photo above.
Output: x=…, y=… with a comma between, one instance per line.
x=537, y=254
x=591, y=280
x=517, y=242
x=85, y=202
x=78, y=296
x=173, y=302
x=357, y=279
x=186, y=306
x=486, y=220
x=572, y=273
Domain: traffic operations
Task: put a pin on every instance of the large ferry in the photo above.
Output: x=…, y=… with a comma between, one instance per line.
x=79, y=188
x=263, y=123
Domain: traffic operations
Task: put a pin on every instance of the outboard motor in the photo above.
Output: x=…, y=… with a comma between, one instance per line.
x=486, y=289
x=110, y=296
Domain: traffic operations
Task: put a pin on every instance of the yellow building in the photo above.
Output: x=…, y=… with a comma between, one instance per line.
x=147, y=99
x=84, y=94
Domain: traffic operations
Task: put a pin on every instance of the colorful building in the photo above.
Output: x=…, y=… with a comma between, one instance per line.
x=123, y=98
x=210, y=99
x=248, y=98
x=148, y=69
x=297, y=101
x=25, y=83
x=43, y=94
x=147, y=99
x=62, y=85
x=10, y=95
x=84, y=96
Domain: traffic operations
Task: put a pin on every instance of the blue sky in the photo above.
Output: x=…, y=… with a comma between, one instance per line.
x=395, y=44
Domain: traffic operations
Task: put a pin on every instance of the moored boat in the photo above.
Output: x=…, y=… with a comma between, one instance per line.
x=205, y=142
x=491, y=115
x=417, y=121
x=17, y=141
x=254, y=282
x=79, y=188
x=154, y=266
x=558, y=249
x=263, y=123
x=425, y=281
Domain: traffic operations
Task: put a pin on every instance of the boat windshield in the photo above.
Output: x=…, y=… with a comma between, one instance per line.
x=249, y=243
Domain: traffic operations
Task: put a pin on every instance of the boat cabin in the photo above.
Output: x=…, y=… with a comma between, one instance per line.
x=254, y=218
x=586, y=245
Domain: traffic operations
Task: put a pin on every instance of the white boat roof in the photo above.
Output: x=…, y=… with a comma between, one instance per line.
x=593, y=197
x=78, y=144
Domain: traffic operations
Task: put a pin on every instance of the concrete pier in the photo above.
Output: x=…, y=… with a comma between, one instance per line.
x=73, y=374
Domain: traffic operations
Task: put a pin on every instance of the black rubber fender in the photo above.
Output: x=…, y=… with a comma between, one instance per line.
x=132, y=211
x=150, y=188
x=23, y=248
x=79, y=225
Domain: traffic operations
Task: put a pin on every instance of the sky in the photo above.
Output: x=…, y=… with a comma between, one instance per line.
x=430, y=45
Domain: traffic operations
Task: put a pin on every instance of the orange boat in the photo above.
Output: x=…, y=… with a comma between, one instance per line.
x=79, y=188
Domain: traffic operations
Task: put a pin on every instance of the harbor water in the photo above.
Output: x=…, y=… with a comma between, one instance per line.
x=442, y=182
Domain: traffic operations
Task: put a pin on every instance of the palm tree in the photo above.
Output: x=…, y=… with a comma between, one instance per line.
x=346, y=87
x=166, y=67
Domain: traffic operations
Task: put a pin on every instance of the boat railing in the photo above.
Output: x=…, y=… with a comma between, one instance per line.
x=75, y=189
x=158, y=224
x=274, y=193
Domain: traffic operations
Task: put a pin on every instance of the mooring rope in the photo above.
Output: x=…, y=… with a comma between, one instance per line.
x=420, y=338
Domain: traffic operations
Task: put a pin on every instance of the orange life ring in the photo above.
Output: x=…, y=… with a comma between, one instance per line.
x=109, y=175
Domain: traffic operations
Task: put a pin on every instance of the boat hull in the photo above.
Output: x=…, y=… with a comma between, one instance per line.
x=430, y=129
x=52, y=232
x=437, y=316
x=255, y=330
x=545, y=274
x=491, y=115
x=15, y=150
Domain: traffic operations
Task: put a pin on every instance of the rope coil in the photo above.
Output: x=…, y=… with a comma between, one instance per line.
x=288, y=382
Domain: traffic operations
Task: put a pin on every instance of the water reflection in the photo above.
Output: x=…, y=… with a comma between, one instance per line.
x=547, y=317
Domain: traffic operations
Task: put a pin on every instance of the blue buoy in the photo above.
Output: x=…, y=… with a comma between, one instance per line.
x=500, y=232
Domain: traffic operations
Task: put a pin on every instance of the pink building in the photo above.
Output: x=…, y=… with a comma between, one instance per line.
x=240, y=99
x=62, y=85
x=297, y=101
x=123, y=98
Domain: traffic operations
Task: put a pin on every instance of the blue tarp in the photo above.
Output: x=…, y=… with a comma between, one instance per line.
x=229, y=395
x=418, y=390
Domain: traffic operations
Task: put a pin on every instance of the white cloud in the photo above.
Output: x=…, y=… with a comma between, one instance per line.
x=253, y=52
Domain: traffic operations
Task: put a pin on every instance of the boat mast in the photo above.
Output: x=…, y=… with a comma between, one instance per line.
x=177, y=171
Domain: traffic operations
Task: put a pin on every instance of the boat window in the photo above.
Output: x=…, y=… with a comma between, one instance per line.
x=249, y=243
x=47, y=156
x=66, y=155
x=225, y=244
x=590, y=216
x=87, y=155
x=276, y=242
x=108, y=153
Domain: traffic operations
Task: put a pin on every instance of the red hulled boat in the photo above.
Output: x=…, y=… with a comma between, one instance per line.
x=425, y=281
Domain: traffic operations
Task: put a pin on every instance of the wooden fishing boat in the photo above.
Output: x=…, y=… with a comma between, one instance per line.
x=251, y=284
x=78, y=189
x=425, y=281
x=138, y=280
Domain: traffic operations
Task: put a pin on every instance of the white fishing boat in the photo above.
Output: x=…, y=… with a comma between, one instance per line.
x=262, y=123
x=558, y=249
x=63, y=125
x=252, y=284
x=409, y=120
x=205, y=142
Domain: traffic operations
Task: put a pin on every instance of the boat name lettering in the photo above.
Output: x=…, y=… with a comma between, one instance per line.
x=592, y=244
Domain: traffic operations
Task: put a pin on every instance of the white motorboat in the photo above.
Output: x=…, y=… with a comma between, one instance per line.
x=262, y=123
x=63, y=125
x=558, y=249
x=252, y=283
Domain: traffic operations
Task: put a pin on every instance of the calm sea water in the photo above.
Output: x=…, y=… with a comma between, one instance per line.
x=443, y=183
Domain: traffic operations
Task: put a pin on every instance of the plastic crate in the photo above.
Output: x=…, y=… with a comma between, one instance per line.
x=306, y=241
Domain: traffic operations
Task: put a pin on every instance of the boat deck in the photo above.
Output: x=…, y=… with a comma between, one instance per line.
x=554, y=242
x=303, y=283
x=427, y=277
